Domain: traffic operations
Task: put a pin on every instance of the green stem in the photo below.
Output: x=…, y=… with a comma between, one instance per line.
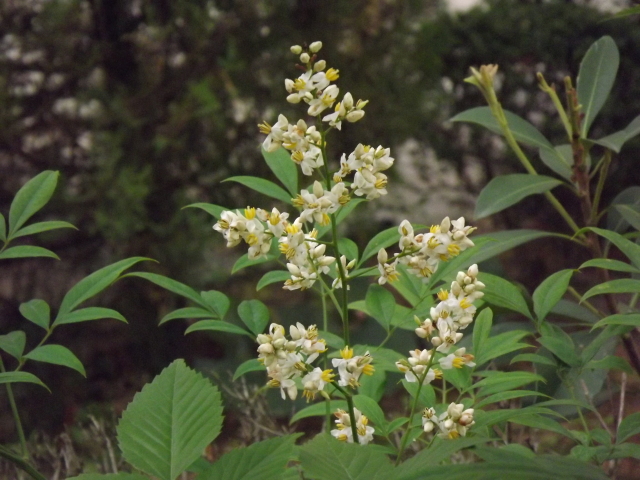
x=16, y=416
x=21, y=463
x=604, y=170
x=350, y=407
x=551, y=91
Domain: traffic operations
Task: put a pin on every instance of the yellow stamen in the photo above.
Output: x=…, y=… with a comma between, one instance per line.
x=368, y=370
x=346, y=352
x=265, y=128
x=464, y=303
x=443, y=295
x=332, y=74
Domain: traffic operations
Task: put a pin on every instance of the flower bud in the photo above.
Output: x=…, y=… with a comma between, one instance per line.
x=355, y=116
x=279, y=343
x=382, y=256
x=304, y=58
x=262, y=338
x=320, y=66
x=294, y=98
x=296, y=49
x=315, y=47
x=428, y=426
x=266, y=349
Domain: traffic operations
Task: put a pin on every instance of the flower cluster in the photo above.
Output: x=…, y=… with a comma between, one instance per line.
x=351, y=367
x=368, y=163
x=452, y=423
x=344, y=432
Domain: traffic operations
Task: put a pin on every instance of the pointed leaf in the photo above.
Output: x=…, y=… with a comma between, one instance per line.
x=36, y=311
x=170, y=422
x=502, y=396
x=171, y=285
x=283, y=168
x=629, y=427
x=244, y=262
x=273, y=276
x=95, y=283
x=632, y=319
x=442, y=450
x=380, y=304
x=615, y=141
x=110, y=476
x=534, y=358
x=254, y=314
x=86, y=314
x=630, y=197
x=318, y=410
x=217, y=326
x=502, y=293
x=498, y=345
x=210, y=208
x=13, y=343
x=610, y=363
x=610, y=264
x=370, y=408
x=251, y=365
x=3, y=229
x=27, y=251
x=382, y=239
x=30, y=198
x=549, y=292
x=630, y=214
x=20, y=377
x=595, y=79
x=506, y=190
x=42, y=227
x=188, y=312
x=559, y=159
x=217, y=302
x=481, y=330
x=545, y=423
x=562, y=350
x=57, y=355
x=623, y=285
x=263, y=186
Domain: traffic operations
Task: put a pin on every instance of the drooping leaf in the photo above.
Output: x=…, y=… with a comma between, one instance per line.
x=380, y=240
x=171, y=285
x=630, y=197
x=502, y=293
x=380, y=304
x=283, y=168
x=42, y=227
x=217, y=302
x=318, y=410
x=263, y=186
x=36, y=311
x=631, y=215
x=597, y=73
x=27, y=251
x=272, y=276
x=610, y=264
x=254, y=314
x=217, y=326
x=251, y=365
x=86, y=314
x=629, y=426
x=30, y=198
x=20, y=377
x=506, y=190
x=616, y=140
x=210, y=208
x=622, y=285
x=559, y=159
x=632, y=319
x=549, y=292
x=169, y=423
x=13, y=343
x=187, y=312
x=57, y=355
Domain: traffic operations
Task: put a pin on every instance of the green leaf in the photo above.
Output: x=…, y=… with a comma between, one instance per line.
x=559, y=159
x=632, y=319
x=549, y=292
x=441, y=450
x=273, y=276
x=318, y=410
x=171, y=285
x=545, y=423
x=110, y=476
x=412, y=288
x=42, y=227
x=95, y=283
x=86, y=314
x=3, y=229
x=595, y=79
x=57, y=355
x=610, y=264
x=263, y=186
x=522, y=130
x=26, y=251
x=372, y=385
x=217, y=326
x=325, y=458
x=559, y=343
x=625, y=13
x=170, y=422
x=622, y=285
x=610, y=363
x=266, y=460
x=188, y=312
x=340, y=216
x=382, y=239
x=498, y=345
x=481, y=330
x=244, y=262
x=534, y=358
x=348, y=247
x=485, y=419
x=380, y=304
x=631, y=215
x=251, y=365
x=506, y=190
x=20, y=377
x=570, y=309
x=502, y=396
x=283, y=168
x=427, y=393
x=615, y=141
x=333, y=340
x=30, y=198
x=370, y=408
x=502, y=293
x=217, y=302
x=13, y=343
x=254, y=314
x=210, y=208
x=36, y=311
x=505, y=381
x=629, y=427
x=630, y=196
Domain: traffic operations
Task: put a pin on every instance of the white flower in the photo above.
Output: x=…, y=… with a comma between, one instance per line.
x=314, y=382
x=324, y=101
x=388, y=271
x=350, y=368
x=274, y=133
x=344, y=432
x=457, y=359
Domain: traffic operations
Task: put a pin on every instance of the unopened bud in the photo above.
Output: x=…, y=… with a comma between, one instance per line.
x=315, y=47
x=320, y=65
x=304, y=58
x=355, y=116
x=296, y=49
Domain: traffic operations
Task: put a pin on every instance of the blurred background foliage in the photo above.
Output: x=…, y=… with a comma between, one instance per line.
x=145, y=106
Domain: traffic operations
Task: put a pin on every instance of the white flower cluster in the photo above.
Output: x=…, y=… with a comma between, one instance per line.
x=452, y=423
x=319, y=203
x=350, y=367
x=368, y=163
x=344, y=432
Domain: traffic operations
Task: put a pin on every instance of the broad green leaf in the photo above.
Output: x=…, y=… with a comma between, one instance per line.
x=506, y=190
x=217, y=326
x=348, y=247
x=318, y=410
x=610, y=264
x=571, y=309
x=380, y=304
x=333, y=340
x=95, y=283
x=171, y=285
x=266, y=460
x=564, y=352
x=36, y=311
x=610, y=363
x=273, y=276
x=630, y=197
x=534, y=358
x=372, y=385
x=210, y=208
x=263, y=186
x=460, y=378
x=86, y=314
x=501, y=344
x=3, y=229
x=188, y=312
x=370, y=408
x=42, y=227
x=110, y=476
x=631, y=215
x=20, y=377
x=325, y=458
x=505, y=381
x=522, y=130
x=283, y=168
x=396, y=424
x=542, y=422
x=629, y=427
x=13, y=343
x=623, y=285
x=170, y=422
x=251, y=365
x=502, y=396
x=549, y=292
x=481, y=330
x=412, y=288
x=632, y=319
x=217, y=302
x=244, y=262
x=26, y=251
x=57, y=355
x=30, y=198
x=427, y=393
x=559, y=159
x=441, y=450
x=254, y=314
x=402, y=316
x=484, y=418
x=502, y=293
x=616, y=140
x=595, y=79
x=382, y=239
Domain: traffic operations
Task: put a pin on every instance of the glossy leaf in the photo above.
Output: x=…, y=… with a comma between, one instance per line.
x=615, y=141
x=559, y=159
x=217, y=326
x=549, y=292
x=57, y=355
x=502, y=293
x=36, y=311
x=251, y=365
x=21, y=377
x=263, y=186
x=170, y=422
x=30, y=198
x=507, y=190
x=318, y=410
x=595, y=79
x=13, y=343
x=188, y=312
x=272, y=276
x=210, y=208
x=380, y=304
x=254, y=314
x=632, y=319
x=610, y=264
x=27, y=251
x=283, y=168
x=623, y=285
x=217, y=302
x=42, y=227
x=86, y=314
x=171, y=285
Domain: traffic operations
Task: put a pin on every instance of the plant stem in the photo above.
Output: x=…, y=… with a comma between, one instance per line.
x=21, y=463
x=16, y=416
x=350, y=407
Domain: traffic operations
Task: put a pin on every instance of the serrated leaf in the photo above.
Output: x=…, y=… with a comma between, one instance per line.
x=187, y=312
x=30, y=198
x=13, y=343
x=382, y=239
x=597, y=73
x=217, y=302
x=170, y=422
x=27, y=251
x=559, y=159
x=616, y=140
x=266, y=460
x=631, y=215
x=506, y=190
x=42, y=227
x=348, y=461
x=502, y=293
x=87, y=314
x=171, y=285
x=251, y=365
x=36, y=311
x=95, y=283
x=622, y=285
x=254, y=314
x=273, y=276
x=370, y=408
x=380, y=304
x=263, y=186
x=610, y=264
x=57, y=355
x=318, y=410
x=283, y=168
x=217, y=326
x=632, y=319
x=210, y=208
x=629, y=426
x=21, y=377
x=549, y=292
